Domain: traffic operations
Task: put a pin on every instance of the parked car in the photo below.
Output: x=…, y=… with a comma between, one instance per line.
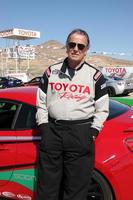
x=6, y=82
x=19, y=138
x=34, y=81
x=115, y=85
x=128, y=86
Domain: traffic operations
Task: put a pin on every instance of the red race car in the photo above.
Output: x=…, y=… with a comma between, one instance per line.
x=19, y=137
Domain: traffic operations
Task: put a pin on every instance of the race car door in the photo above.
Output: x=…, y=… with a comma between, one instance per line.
x=8, y=110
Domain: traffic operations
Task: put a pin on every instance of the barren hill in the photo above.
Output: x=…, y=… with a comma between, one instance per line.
x=53, y=51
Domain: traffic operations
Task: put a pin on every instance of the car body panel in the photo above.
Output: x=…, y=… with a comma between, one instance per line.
x=118, y=161
x=7, y=150
x=114, y=155
x=26, y=94
x=128, y=86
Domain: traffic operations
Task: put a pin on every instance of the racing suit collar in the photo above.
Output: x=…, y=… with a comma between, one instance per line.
x=65, y=66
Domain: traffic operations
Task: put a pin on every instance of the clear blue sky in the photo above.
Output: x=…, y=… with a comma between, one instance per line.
x=109, y=23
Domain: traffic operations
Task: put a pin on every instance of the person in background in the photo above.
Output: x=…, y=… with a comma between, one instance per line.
x=72, y=106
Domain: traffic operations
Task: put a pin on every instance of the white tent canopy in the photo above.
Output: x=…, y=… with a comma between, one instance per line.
x=19, y=34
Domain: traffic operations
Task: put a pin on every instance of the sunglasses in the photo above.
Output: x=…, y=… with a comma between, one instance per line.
x=72, y=45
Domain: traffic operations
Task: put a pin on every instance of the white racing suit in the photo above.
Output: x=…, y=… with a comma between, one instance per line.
x=72, y=106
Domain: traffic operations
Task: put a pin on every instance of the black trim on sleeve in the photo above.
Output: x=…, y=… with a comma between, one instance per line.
x=44, y=80
x=100, y=88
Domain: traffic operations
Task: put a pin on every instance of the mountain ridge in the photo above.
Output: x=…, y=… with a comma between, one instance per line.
x=52, y=51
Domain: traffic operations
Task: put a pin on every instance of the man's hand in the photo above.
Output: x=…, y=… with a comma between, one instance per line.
x=94, y=138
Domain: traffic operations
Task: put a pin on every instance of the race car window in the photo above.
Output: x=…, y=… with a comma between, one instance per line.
x=26, y=118
x=116, y=108
x=8, y=111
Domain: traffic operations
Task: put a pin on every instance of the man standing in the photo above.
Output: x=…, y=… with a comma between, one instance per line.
x=72, y=105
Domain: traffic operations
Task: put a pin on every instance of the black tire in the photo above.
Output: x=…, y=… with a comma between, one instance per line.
x=125, y=94
x=99, y=188
x=3, y=86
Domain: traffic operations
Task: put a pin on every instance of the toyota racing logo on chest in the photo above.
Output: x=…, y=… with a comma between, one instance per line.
x=70, y=91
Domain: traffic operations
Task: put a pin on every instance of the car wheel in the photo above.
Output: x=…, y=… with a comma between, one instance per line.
x=3, y=86
x=111, y=91
x=125, y=94
x=99, y=188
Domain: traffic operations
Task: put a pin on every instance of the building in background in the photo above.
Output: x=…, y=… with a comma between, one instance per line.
x=18, y=49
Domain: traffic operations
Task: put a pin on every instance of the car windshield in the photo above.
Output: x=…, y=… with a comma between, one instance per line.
x=113, y=78
x=118, y=79
x=116, y=109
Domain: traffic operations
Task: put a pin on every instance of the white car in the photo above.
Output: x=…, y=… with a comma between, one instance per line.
x=115, y=85
x=128, y=86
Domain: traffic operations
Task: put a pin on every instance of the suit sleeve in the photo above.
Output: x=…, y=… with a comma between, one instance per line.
x=41, y=100
x=101, y=104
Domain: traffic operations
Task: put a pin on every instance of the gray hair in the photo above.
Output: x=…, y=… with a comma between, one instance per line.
x=81, y=32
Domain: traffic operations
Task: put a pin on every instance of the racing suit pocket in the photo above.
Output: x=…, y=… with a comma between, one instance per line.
x=84, y=136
